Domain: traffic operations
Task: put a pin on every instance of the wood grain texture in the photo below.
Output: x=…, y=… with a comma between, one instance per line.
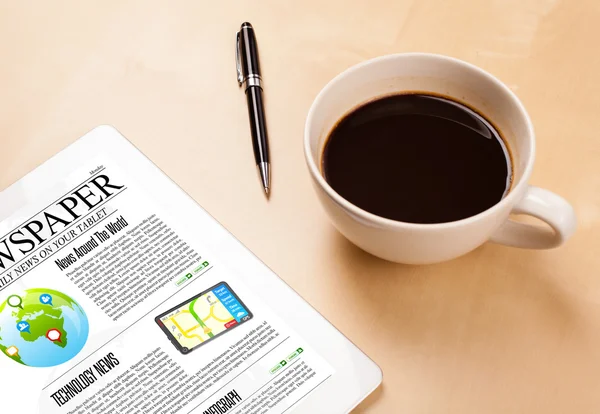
x=500, y=330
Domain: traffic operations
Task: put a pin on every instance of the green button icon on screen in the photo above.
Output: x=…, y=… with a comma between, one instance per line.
x=202, y=266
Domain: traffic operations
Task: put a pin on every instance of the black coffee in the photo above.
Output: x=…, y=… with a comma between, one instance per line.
x=417, y=158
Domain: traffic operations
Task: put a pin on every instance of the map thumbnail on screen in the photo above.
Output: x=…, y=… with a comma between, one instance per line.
x=204, y=317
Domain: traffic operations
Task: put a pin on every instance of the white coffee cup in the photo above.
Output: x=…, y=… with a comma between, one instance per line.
x=428, y=243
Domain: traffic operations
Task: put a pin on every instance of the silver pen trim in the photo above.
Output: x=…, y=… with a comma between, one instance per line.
x=252, y=80
x=238, y=63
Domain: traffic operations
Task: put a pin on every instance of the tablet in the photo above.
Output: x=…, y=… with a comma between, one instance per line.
x=119, y=292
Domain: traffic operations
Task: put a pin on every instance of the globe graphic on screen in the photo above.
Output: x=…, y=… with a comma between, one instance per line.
x=41, y=327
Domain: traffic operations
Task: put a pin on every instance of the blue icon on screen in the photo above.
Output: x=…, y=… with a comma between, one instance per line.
x=23, y=326
x=46, y=299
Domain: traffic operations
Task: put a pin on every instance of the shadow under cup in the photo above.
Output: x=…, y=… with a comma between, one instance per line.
x=422, y=73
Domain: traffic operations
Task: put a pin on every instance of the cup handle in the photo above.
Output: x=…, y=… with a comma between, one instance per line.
x=546, y=206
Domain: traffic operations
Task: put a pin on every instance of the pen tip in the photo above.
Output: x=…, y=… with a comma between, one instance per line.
x=264, y=172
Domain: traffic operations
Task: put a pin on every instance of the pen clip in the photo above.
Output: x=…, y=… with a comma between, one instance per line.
x=238, y=64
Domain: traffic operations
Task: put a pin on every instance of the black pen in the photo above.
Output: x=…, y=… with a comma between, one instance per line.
x=248, y=72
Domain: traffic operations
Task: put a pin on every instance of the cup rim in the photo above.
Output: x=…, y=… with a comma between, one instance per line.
x=364, y=214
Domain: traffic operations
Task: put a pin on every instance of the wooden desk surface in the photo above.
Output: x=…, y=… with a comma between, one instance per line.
x=500, y=330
